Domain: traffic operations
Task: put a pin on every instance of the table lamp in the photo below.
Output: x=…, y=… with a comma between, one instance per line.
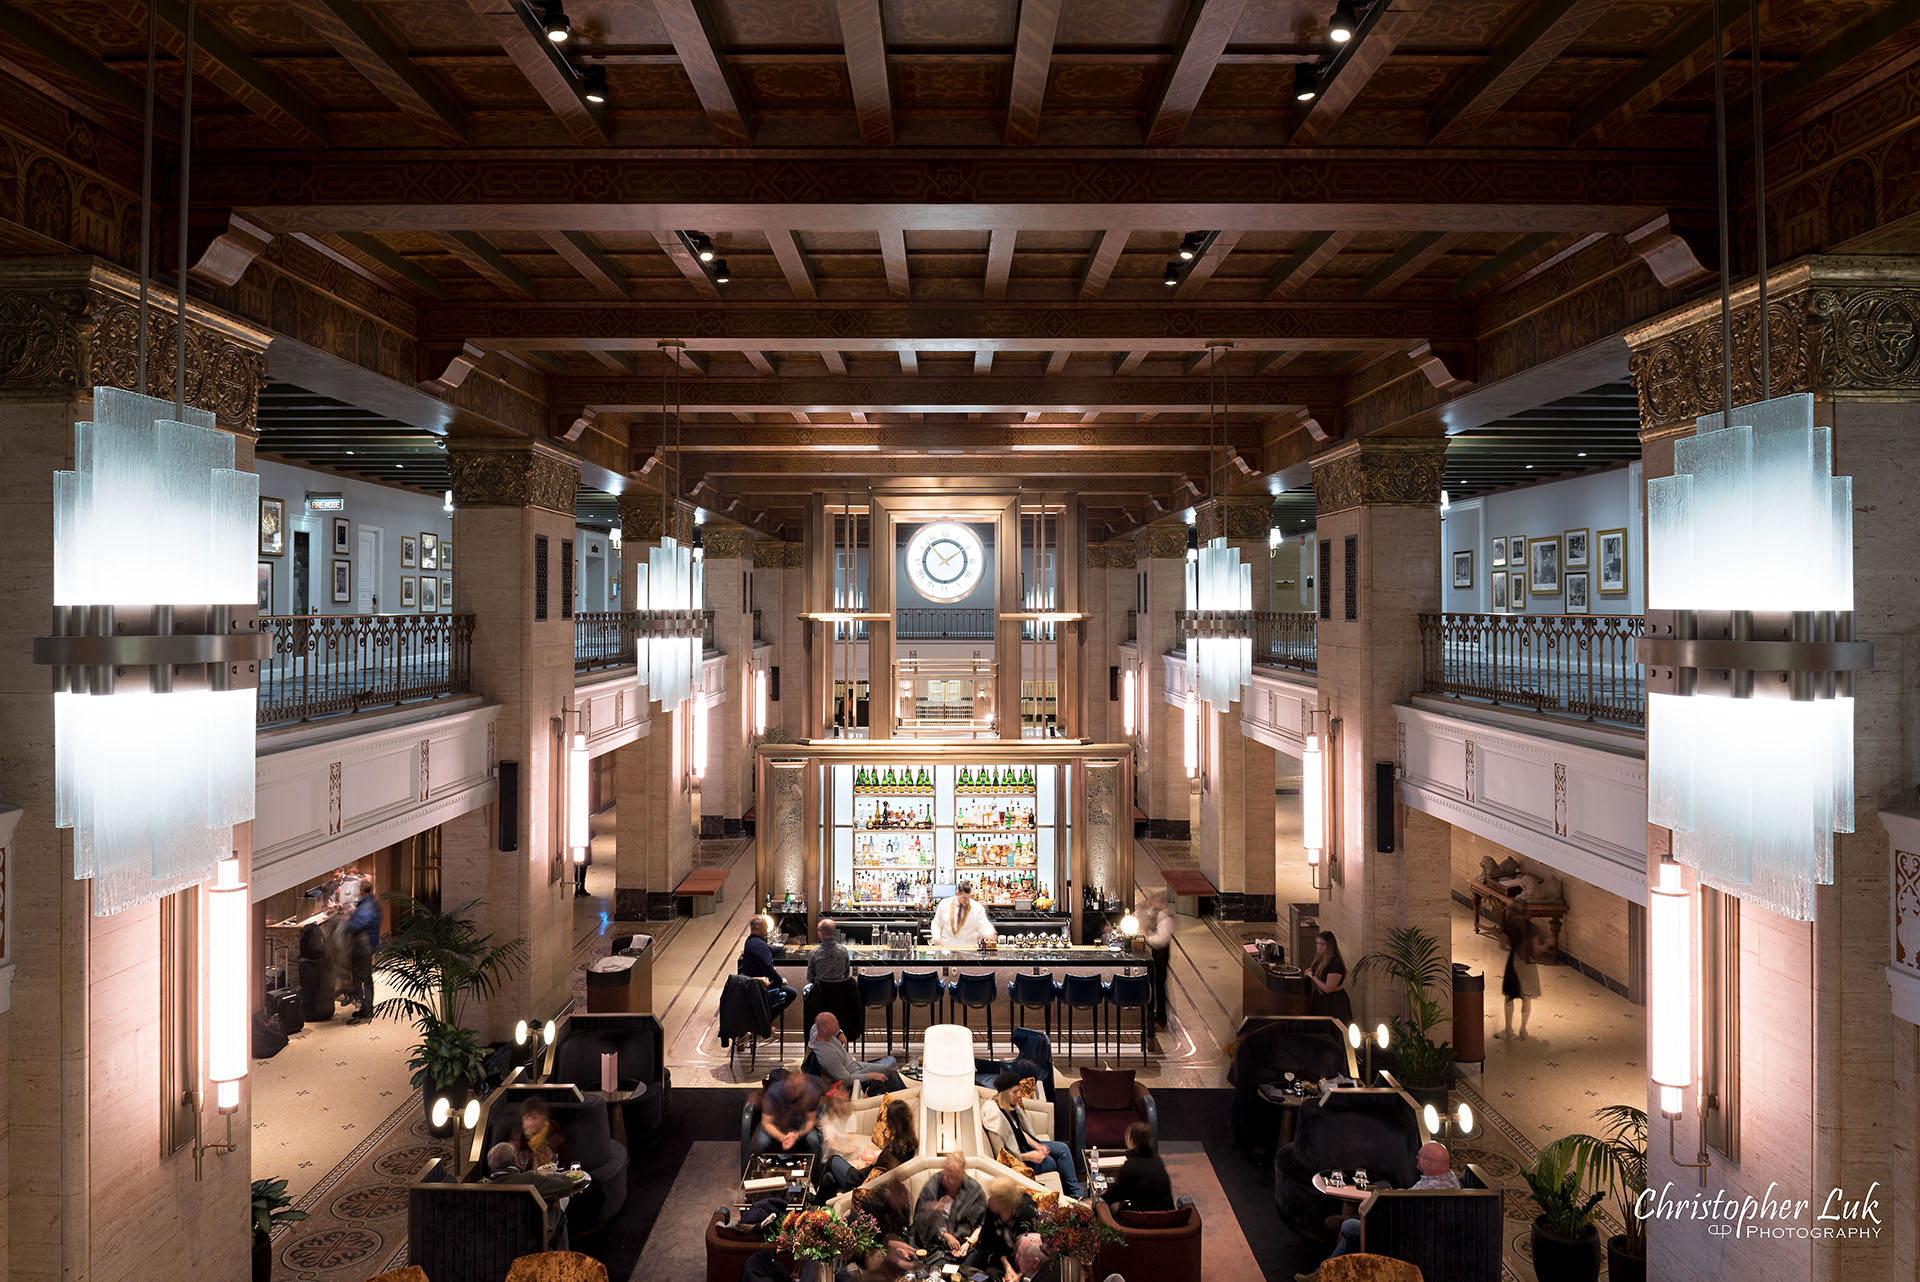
x=947, y=1088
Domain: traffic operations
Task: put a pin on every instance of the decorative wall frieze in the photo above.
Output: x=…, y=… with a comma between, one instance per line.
x=500, y=474
x=70, y=324
x=769, y=554
x=726, y=541
x=1246, y=516
x=1847, y=328
x=1379, y=473
x=1161, y=539
x=1110, y=556
x=641, y=517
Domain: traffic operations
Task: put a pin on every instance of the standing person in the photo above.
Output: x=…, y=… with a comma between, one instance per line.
x=1522, y=979
x=1328, y=975
x=959, y=922
x=1156, y=923
x=363, y=931
x=756, y=962
x=829, y=962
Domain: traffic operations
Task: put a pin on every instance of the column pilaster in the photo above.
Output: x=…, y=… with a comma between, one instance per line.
x=1160, y=550
x=727, y=793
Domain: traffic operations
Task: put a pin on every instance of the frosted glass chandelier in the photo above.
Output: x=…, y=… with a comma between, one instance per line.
x=1219, y=622
x=671, y=630
x=1751, y=653
x=153, y=721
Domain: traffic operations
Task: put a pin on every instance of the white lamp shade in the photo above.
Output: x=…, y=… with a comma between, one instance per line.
x=1670, y=987
x=229, y=963
x=1127, y=700
x=1193, y=735
x=948, y=1086
x=1313, y=798
x=578, y=830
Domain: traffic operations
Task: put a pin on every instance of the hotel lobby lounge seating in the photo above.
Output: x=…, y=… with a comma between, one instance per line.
x=1160, y=1246
x=640, y=1044
x=1452, y=1235
x=1378, y=1129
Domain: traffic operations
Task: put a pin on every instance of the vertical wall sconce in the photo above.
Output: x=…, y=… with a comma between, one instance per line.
x=1316, y=779
x=579, y=830
x=1193, y=734
x=228, y=965
x=697, y=766
x=1670, y=988
x=1129, y=695
x=759, y=701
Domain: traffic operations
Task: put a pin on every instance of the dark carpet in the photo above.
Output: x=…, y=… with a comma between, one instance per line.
x=655, y=1161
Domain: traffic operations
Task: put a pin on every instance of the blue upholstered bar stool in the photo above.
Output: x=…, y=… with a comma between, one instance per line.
x=918, y=988
x=1027, y=992
x=878, y=990
x=1083, y=992
x=1131, y=992
x=974, y=992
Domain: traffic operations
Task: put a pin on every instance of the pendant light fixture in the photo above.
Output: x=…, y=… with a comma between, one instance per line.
x=673, y=625
x=1219, y=618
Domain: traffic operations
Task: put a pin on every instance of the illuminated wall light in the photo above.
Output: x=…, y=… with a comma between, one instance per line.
x=579, y=830
x=699, y=763
x=1129, y=694
x=760, y=701
x=1670, y=987
x=229, y=963
x=1313, y=800
x=1193, y=735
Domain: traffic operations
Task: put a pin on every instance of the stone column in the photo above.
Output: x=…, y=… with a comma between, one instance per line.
x=1160, y=551
x=1843, y=330
x=88, y=1192
x=513, y=509
x=728, y=791
x=778, y=593
x=654, y=834
x=1377, y=507
x=1108, y=588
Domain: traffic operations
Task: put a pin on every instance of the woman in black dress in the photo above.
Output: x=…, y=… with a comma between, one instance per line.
x=1328, y=975
x=1521, y=982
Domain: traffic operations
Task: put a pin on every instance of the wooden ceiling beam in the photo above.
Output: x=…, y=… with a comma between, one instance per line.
x=826, y=437
x=1057, y=361
x=479, y=253
x=758, y=359
x=1413, y=257
x=983, y=360
x=1297, y=268
x=696, y=275
x=836, y=363
x=546, y=68
x=1891, y=26
x=1207, y=264
x=1670, y=68
x=909, y=361
x=81, y=65
x=618, y=362
x=1519, y=253
x=1032, y=63
x=368, y=249
x=864, y=39
x=1543, y=33
x=1204, y=32
x=793, y=264
x=236, y=74
x=909, y=394
x=893, y=255
x=369, y=50
x=1107, y=248
x=999, y=262
x=588, y=259
x=929, y=463
x=696, y=40
x=1378, y=34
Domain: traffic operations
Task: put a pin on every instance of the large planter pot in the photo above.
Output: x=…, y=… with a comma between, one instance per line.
x=1622, y=1267
x=1565, y=1259
x=262, y=1258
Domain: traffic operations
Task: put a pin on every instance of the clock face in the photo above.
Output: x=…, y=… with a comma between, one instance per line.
x=945, y=561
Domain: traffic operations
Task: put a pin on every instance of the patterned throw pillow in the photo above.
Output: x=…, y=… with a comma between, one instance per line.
x=1013, y=1163
x=1046, y=1201
x=1028, y=1087
x=882, y=1128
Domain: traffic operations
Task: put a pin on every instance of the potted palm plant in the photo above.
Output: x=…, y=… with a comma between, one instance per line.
x=271, y=1208
x=1566, y=1244
x=436, y=963
x=1424, y=1065
x=1617, y=1159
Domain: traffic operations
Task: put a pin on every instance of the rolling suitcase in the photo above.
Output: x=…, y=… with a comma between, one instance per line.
x=283, y=1004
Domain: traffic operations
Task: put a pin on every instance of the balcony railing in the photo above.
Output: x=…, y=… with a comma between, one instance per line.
x=1281, y=639
x=1578, y=665
x=603, y=639
x=323, y=665
x=944, y=623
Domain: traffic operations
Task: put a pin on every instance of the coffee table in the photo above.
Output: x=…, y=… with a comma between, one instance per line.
x=767, y=1165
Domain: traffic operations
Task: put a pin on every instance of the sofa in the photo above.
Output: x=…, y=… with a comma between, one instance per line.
x=589, y=1138
x=921, y=1169
x=1161, y=1246
x=1451, y=1235
x=641, y=1046
x=1107, y=1101
x=729, y=1247
x=1311, y=1047
x=470, y=1229
x=1377, y=1128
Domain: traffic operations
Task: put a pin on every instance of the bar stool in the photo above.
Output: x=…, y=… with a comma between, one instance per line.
x=1083, y=992
x=974, y=992
x=1131, y=992
x=1028, y=991
x=918, y=988
x=878, y=990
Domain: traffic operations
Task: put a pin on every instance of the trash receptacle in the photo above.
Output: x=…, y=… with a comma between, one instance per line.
x=1469, y=1015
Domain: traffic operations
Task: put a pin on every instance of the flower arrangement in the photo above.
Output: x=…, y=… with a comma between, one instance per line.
x=1071, y=1229
x=820, y=1234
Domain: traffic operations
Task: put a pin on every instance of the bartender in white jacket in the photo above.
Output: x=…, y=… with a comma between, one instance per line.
x=959, y=922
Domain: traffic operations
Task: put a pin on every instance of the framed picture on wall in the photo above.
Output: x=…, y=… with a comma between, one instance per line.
x=263, y=588
x=446, y=554
x=1463, y=569
x=1543, y=566
x=1576, y=549
x=446, y=594
x=1517, y=591
x=429, y=594
x=1517, y=549
x=1613, y=562
x=429, y=550
x=273, y=527
x=1499, y=556
x=342, y=536
x=342, y=582
x=1499, y=594
x=409, y=592
x=613, y=588
x=1577, y=592
x=409, y=552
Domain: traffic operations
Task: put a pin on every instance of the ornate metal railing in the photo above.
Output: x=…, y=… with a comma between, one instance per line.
x=603, y=639
x=944, y=623
x=1578, y=665
x=1285, y=639
x=322, y=665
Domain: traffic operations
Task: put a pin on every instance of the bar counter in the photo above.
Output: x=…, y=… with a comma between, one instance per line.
x=1060, y=958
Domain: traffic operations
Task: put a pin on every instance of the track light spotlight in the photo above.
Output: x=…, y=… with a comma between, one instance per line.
x=553, y=19
x=720, y=274
x=593, y=85
x=1191, y=244
x=1172, y=275
x=1345, y=19
x=1306, y=82
x=702, y=246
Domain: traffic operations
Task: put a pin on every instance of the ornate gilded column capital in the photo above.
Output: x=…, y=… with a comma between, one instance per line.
x=641, y=517
x=1246, y=516
x=68, y=325
x=500, y=473
x=774, y=554
x=726, y=541
x=1161, y=539
x=1384, y=472
x=1118, y=555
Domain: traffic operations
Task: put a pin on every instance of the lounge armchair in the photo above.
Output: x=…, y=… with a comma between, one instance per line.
x=1377, y=1128
x=1451, y=1235
x=1161, y=1246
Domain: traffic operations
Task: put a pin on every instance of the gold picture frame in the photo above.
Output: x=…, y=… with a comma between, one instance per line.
x=429, y=550
x=409, y=592
x=1544, y=566
x=273, y=526
x=1610, y=562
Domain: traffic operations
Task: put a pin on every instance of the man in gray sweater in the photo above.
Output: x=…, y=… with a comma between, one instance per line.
x=837, y=1064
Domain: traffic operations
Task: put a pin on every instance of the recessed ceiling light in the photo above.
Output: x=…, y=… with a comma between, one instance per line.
x=1583, y=453
x=1529, y=467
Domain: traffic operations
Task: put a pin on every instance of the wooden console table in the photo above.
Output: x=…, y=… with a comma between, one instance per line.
x=1554, y=913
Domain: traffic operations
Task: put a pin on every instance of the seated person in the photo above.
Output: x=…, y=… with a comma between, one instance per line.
x=1006, y=1127
x=887, y=1262
x=1031, y=1263
x=949, y=1208
x=789, y=1116
x=536, y=1138
x=503, y=1167
x=852, y=1157
x=829, y=962
x=1010, y=1215
x=1142, y=1183
x=756, y=962
x=837, y=1064
x=891, y=1209
x=1435, y=1173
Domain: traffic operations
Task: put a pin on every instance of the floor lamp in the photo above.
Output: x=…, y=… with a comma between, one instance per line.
x=947, y=1089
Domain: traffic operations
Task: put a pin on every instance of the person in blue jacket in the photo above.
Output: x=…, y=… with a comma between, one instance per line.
x=363, y=931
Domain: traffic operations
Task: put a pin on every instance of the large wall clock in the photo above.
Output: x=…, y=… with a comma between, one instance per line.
x=945, y=561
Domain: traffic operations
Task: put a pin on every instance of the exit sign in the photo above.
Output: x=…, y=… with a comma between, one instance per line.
x=326, y=503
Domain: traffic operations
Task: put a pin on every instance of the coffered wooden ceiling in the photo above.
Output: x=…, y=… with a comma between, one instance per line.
x=946, y=223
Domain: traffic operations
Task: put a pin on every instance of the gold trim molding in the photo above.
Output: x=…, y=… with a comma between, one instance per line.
x=1162, y=539
x=1110, y=556
x=512, y=474
x=1379, y=473
x=726, y=541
